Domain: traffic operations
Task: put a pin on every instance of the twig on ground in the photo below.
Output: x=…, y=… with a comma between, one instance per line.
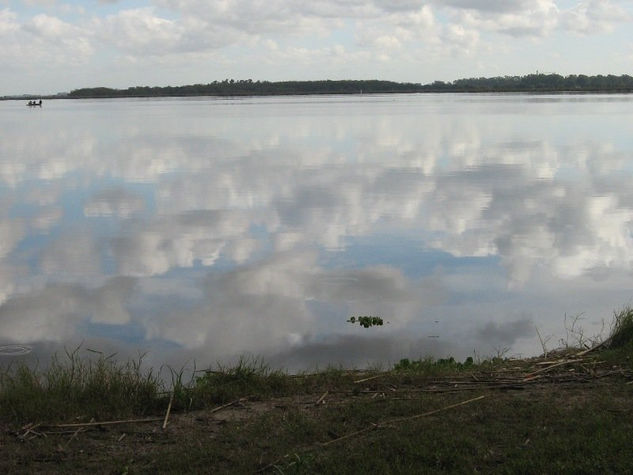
x=80, y=429
x=30, y=429
x=400, y=419
x=430, y=413
x=347, y=436
x=369, y=379
x=371, y=427
x=599, y=345
x=544, y=370
x=106, y=423
x=322, y=398
x=228, y=404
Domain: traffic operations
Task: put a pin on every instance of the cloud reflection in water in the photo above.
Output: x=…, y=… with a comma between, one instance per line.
x=221, y=227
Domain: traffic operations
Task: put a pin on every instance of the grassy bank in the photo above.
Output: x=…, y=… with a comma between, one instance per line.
x=570, y=411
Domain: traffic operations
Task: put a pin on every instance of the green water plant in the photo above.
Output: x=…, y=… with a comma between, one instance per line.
x=366, y=321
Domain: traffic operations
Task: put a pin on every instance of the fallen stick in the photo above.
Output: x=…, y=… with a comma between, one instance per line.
x=322, y=398
x=547, y=363
x=347, y=436
x=228, y=404
x=107, y=423
x=430, y=413
x=79, y=429
x=599, y=345
x=401, y=419
x=171, y=400
x=543, y=370
x=369, y=379
x=367, y=429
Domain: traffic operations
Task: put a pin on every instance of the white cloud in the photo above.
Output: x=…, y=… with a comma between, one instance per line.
x=118, y=202
x=551, y=207
x=190, y=41
x=266, y=306
x=595, y=17
x=489, y=6
x=532, y=19
x=46, y=218
x=73, y=255
x=50, y=39
x=11, y=233
x=53, y=312
x=140, y=32
x=179, y=241
x=467, y=187
x=8, y=23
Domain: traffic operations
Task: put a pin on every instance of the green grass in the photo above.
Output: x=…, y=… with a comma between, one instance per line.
x=434, y=366
x=250, y=376
x=554, y=432
x=76, y=387
x=617, y=348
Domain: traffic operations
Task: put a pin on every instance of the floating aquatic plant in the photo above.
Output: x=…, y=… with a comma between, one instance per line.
x=366, y=321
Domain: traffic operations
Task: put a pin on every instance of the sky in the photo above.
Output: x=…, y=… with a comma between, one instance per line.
x=51, y=46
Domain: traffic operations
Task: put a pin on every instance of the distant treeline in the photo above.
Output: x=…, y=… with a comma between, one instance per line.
x=538, y=83
x=231, y=87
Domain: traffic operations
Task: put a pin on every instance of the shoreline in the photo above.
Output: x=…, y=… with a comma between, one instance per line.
x=568, y=411
x=562, y=92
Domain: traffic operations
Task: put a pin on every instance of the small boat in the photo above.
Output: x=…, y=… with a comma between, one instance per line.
x=35, y=103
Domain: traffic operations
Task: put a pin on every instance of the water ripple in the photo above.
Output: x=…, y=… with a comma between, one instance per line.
x=14, y=350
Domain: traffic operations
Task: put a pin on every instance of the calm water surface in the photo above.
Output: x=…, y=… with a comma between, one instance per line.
x=202, y=229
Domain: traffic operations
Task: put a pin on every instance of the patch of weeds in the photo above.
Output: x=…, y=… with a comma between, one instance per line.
x=75, y=387
x=181, y=391
x=331, y=376
x=433, y=366
x=619, y=344
x=250, y=376
x=622, y=329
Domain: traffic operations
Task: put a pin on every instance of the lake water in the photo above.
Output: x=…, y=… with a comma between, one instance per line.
x=202, y=229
